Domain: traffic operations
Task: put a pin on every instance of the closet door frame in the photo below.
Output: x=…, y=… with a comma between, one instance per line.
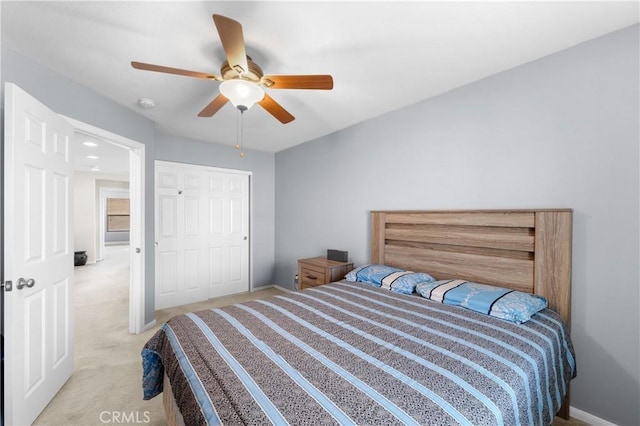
x=202, y=171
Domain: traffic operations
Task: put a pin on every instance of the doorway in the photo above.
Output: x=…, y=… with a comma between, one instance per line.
x=136, y=233
x=113, y=225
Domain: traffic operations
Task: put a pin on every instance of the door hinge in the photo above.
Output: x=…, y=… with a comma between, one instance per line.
x=7, y=285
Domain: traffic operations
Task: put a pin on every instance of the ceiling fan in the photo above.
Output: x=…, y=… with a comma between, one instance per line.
x=242, y=79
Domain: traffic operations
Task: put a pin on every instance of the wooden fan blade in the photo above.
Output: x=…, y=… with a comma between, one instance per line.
x=276, y=109
x=178, y=71
x=321, y=82
x=214, y=106
x=230, y=33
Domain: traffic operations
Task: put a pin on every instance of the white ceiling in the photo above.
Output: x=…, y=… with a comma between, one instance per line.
x=382, y=55
x=112, y=160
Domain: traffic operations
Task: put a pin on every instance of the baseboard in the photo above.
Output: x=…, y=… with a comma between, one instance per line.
x=279, y=287
x=149, y=326
x=588, y=418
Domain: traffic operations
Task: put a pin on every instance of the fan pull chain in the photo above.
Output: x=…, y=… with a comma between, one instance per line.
x=242, y=132
x=240, y=129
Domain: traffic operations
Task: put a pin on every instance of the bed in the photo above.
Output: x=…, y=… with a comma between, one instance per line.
x=354, y=353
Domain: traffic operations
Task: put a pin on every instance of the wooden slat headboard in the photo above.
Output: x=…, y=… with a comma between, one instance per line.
x=526, y=250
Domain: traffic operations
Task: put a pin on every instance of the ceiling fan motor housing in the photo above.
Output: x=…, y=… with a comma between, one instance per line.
x=254, y=73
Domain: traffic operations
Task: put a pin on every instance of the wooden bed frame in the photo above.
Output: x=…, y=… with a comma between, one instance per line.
x=526, y=250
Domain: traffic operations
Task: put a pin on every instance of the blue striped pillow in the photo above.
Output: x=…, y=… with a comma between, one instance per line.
x=371, y=274
x=498, y=302
x=388, y=277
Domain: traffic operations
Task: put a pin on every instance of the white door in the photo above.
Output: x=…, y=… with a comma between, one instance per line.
x=228, y=229
x=181, y=269
x=202, y=233
x=38, y=314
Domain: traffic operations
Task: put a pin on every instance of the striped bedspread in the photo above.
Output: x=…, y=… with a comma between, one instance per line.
x=351, y=354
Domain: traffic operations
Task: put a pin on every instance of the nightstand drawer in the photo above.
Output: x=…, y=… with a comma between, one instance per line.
x=316, y=271
x=311, y=278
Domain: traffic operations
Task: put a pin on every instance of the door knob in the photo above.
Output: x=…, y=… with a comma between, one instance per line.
x=22, y=283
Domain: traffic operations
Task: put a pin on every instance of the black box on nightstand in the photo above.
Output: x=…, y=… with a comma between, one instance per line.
x=337, y=255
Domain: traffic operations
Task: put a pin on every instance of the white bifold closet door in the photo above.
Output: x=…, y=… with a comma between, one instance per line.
x=202, y=233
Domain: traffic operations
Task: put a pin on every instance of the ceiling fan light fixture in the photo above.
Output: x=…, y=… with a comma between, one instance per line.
x=241, y=93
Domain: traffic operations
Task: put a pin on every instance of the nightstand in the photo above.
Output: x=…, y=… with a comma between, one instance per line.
x=316, y=271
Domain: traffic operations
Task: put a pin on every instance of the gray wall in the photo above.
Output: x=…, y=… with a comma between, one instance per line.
x=262, y=166
x=78, y=102
x=561, y=131
x=119, y=237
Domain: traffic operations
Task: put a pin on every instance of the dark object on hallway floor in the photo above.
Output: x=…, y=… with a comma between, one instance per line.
x=79, y=258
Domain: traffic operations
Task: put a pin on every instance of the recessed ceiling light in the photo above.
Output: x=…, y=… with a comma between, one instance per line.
x=89, y=143
x=92, y=157
x=95, y=169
